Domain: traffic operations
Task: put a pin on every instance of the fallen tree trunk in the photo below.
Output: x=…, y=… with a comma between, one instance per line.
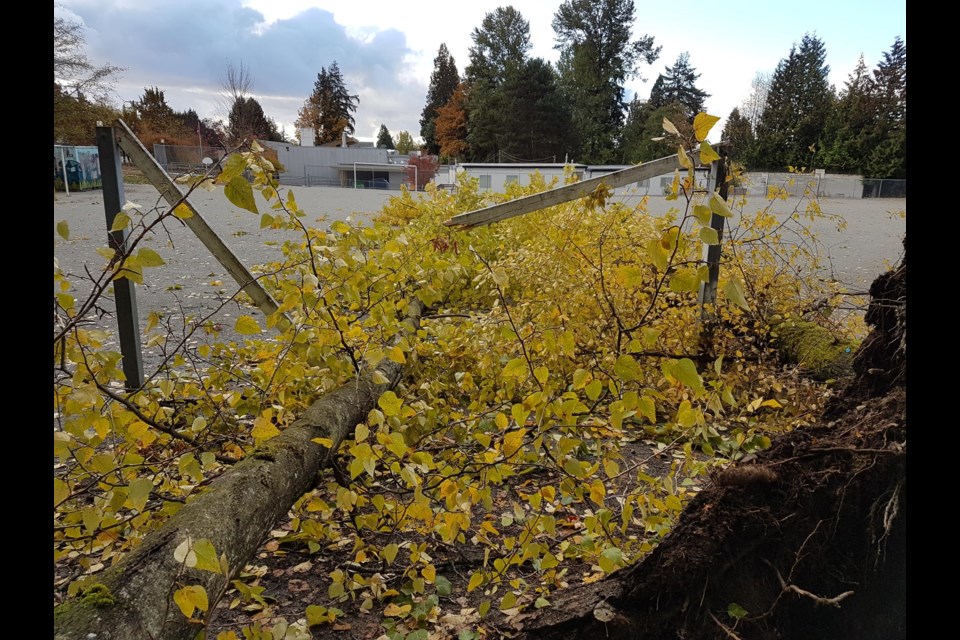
x=135, y=600
x=806, y=542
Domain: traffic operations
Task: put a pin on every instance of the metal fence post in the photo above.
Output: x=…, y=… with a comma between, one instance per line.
x=708, y=290
x=125, y=294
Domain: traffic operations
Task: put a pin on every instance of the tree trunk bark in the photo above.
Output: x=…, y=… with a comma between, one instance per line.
x=235, y=514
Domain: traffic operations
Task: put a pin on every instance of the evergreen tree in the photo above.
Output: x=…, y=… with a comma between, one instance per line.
x=384, y=140
x=888, y=159
x=443, y=82
x=850, y=133
x=797, y=108
x=678, y=84
x=497, y=55
x=329, y=109
x=538, y=120
x=247, y=121
x=738, y=134
x=597, y=56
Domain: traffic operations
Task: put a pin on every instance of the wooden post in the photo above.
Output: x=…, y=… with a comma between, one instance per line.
x=718, y=177
x=125, y=294
x=560, y=195
x=171, y=193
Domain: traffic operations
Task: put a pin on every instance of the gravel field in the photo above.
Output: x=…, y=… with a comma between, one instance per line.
x=192, y=279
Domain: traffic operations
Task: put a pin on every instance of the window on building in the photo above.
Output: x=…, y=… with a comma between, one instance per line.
x=485, y=181
x=511, y=177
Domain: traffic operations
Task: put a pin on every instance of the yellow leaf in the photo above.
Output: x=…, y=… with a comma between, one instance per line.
x=149, y=258
x=669, y=127
x=501, y=421
x=396, y=354
x=389, y=552
x=707, y=154
x=390, y=403
x=719, y=206
x=190, y=598
x=120, y=222
x=475, y=581
x=702, y=124
x=709, y=235
x=685, y=160
x=429, y=573
x=264, y=429
x=513, y=441
x=182, y=211
x=394, y=611
x=734, y=291
x=63, y=229
x=61, y=491
x=206, y=556
x=246, y=326
x=379, y=378
x=516, y=368
x=139, y=492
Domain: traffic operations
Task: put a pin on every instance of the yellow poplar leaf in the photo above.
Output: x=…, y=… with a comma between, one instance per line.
x=139, y=492
x=429, y=573
x=396, y=354
x=390, y=403
x=773, y=404
x=394, y=611
x=597, y=492
x=645, y=408
x=685, y=160
x=240, y=193
x=61, y=491
x=702, y=124
x=513, y=441
x=149, y=258
x=709, y=235
x=389, y=552
x=266, y=220
x=106, y=252
x=190, y=598
x=508, y=601
x=685, y=370
x=580, y=378
x=501, y=421
x=516, y=368
x=519, y=413
x=121, y=222
x=627, y=369
x=475, y=581
x=379, y=378
x=707, y=154
x=734, y=291
x=719, y=206
x=361, y=432
x=703, y=214
x=684, y=281
x=657, y=255
x=593, y=389
x=182, y=211
x=246, y=326
x=541, y=374
x=206, y=556
x=63, y=229
x=669, y=127
x=264, y=429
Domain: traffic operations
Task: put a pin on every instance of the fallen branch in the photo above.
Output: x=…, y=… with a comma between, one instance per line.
x=235, y=514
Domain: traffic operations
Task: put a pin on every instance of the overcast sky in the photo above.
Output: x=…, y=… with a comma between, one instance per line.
x=385, y=49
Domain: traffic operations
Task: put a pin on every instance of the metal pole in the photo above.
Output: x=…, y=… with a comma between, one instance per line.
x=708, y=290
x=125, y=294
x=354, y=175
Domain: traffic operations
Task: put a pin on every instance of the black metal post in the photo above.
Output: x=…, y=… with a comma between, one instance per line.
x=125, y=294
x=709, y=293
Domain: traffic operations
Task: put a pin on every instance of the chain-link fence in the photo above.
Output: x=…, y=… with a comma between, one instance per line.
x=822, y=186
x=177, y=159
